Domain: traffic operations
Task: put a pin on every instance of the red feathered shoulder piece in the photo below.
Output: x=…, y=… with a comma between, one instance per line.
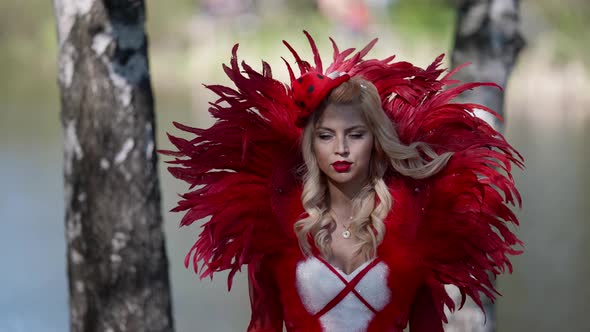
x=243, y=172
x=461, y=215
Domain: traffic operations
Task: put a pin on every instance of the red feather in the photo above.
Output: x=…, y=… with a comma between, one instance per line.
x=243, y=174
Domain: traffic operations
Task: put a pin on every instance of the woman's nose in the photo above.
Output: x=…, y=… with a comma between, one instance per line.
x=342, y=146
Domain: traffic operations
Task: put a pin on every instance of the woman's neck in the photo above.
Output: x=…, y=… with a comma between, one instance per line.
x=342, y=195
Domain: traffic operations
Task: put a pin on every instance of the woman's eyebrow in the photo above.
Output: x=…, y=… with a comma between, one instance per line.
x=357, y=127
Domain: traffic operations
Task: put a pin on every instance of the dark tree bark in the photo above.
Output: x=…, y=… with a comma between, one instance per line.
x=117, y=265
x=487, y=35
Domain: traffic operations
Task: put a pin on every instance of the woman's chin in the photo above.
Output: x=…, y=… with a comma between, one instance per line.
x=343, y=178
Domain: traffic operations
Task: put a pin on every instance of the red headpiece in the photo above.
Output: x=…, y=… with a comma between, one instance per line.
x=310, y=89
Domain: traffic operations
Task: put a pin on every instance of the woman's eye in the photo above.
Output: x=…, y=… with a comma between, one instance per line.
x=356, y=135
x=324, y=136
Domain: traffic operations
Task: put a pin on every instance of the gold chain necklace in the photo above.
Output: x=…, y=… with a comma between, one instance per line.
x=346, y=233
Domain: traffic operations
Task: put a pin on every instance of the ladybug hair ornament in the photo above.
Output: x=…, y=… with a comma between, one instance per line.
x=310, y=89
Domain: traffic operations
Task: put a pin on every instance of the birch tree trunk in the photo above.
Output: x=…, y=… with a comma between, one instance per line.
x=487, y=35
x=117, y=265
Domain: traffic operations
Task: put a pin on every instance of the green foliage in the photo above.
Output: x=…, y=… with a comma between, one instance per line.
x=165, y=18
x=431, y=19
x=28, y=55
x=569, y=24
x=29, y=44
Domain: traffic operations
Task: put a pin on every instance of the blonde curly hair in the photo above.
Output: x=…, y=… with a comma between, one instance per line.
x=372, y=204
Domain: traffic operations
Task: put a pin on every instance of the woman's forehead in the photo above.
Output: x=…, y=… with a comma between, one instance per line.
x=341, y=116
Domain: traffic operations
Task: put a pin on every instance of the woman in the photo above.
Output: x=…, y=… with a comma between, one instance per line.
x=401, y=193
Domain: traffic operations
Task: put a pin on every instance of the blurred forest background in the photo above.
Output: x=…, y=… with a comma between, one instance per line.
x=547, y=119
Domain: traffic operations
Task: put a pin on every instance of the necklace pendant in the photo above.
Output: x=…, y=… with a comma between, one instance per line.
x=346, y=234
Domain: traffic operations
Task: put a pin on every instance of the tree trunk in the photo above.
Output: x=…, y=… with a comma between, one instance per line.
x=117, y=265
x=487, y=35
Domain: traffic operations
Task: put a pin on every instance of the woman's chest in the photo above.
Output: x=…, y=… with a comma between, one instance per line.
x=325, y=288
x=345, y=254
x=340, y=301
x=312, y=290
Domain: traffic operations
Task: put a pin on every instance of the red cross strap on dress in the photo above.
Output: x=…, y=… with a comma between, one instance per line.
x=349, y=287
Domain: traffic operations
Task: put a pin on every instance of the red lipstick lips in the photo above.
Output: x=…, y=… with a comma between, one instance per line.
x=341, y=166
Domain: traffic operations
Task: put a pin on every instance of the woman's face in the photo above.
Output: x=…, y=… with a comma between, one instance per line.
x=343, y=145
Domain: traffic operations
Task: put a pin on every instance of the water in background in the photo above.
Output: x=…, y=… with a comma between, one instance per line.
x=548, y=290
